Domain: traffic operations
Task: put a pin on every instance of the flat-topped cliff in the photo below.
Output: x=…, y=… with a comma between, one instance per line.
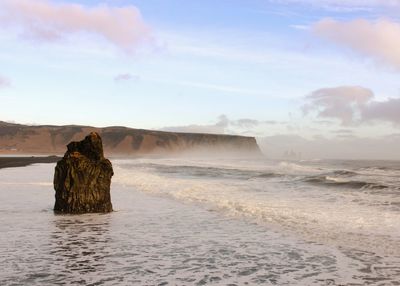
x=47, y=139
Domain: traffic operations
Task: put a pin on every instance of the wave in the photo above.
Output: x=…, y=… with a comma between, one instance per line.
x=205, y=171
x=311, y=212
x=269, y=175
x=290, y=167
x=340, y=182
x=390, y=167
x=344, y=173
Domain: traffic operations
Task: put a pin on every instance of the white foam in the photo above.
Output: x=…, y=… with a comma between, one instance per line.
x=297, y=168
x=315, y=213
x=336, y=179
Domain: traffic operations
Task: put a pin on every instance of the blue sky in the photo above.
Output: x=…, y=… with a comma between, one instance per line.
x=264, y=61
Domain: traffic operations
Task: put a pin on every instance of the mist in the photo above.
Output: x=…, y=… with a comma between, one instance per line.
x=351, y=148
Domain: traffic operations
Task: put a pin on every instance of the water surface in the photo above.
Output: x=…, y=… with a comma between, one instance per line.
x=202, y=222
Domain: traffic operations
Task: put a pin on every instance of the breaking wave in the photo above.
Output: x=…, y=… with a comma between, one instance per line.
x=343, y=183
x=285, y=195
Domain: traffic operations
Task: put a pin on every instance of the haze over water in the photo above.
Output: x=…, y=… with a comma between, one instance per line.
x=209, y=222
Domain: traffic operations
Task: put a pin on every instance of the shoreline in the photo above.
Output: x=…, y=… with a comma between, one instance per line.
x=13, y=162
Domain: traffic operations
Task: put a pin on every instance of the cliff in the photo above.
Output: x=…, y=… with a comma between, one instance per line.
x=47, y=139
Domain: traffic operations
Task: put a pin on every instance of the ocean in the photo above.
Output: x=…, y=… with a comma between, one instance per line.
x=209, y=222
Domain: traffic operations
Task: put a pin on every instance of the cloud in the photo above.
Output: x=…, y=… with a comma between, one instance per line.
x=379, y=40
x=245, y=122
x=351, y=105
x=126, y=77
x=338, y=102
x=300, y=27
x=214, y=87
x=343, y=132
x=388, y=110
x=223, y=125
x=344, y=5
x=251, y=123
x=217, y=128
x=4, y=82
x=47, y=21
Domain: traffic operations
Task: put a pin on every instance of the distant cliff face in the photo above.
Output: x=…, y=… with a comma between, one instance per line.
x=23, y=139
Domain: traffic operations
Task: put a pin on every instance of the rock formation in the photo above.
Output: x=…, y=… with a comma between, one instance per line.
x=82, y=178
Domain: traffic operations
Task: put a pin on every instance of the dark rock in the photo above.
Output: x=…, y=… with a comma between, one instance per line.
x=82, y=178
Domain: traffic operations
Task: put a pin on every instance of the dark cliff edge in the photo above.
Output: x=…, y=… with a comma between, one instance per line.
x=50, y=140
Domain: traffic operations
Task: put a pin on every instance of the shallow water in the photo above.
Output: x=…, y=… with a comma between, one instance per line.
x=197, y=222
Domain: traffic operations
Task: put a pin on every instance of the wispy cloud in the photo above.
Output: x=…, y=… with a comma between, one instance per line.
x=352, y=105
x=300, y=27
x=216, y=128
x=126, y=77
x=379, y=40
x=251, y=123
x=45, y=20
x=343, y=132
x=223, y=125
x=343, y=5
x=210, y=86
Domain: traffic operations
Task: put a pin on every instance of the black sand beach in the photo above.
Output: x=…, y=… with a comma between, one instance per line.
x=10, y=162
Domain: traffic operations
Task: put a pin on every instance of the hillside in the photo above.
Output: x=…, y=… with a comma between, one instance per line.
x=51, y=140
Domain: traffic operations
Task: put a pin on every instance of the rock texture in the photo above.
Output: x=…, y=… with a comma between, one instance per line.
x=45, y=139
x=82, y=178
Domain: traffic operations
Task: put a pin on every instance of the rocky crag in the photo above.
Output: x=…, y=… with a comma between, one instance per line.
x=51, y=140
x=82, y=178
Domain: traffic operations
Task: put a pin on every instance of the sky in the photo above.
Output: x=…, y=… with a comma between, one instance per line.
x=299, y=75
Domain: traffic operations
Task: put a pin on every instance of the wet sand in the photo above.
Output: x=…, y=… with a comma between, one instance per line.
x=11, y=162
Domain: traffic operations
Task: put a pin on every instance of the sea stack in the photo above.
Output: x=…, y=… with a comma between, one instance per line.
x=82, y=178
